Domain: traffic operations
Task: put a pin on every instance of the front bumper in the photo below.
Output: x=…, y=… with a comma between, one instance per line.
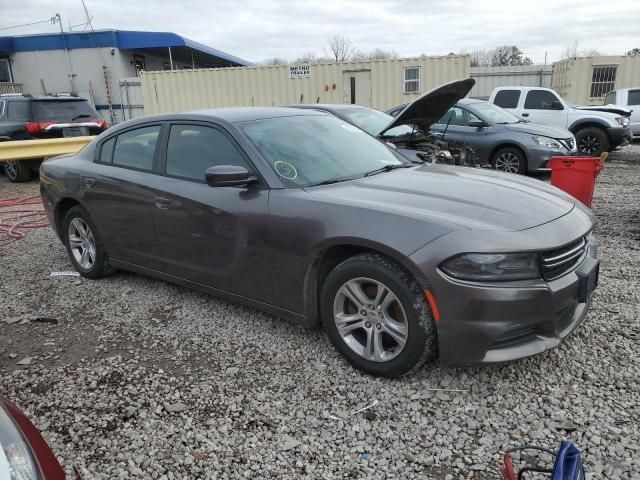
x=538, y=157
x=619, y=136
x=500, y=322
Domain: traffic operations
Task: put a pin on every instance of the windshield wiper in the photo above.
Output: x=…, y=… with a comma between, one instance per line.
x=388, y=168
x=82, y=115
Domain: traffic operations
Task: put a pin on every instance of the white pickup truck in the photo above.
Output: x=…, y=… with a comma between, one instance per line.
x=597, y=129
x=627, y=97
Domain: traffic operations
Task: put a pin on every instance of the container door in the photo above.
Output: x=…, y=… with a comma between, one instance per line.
x=357, y=87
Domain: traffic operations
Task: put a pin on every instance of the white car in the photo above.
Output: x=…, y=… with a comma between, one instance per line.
x=627, y=97
x=597, y=129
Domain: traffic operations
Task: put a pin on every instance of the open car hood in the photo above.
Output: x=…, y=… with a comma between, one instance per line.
x=429, y=107
x=625, y=112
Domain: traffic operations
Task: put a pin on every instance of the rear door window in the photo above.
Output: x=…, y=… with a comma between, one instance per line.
x=136, y=148
x=507, y=98
x=540, y=100
x=106, y=150
x=194, y=148
x=63, y=110
x=634, y=97
x=18, y=111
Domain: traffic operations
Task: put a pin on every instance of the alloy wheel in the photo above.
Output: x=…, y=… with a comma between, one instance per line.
x=11, y=169
x=82, y=243
x=589, y=144
x=508, y=162
x=370, y=319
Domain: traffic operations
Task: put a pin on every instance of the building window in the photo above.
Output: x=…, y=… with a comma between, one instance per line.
x=139, y=64
x=412, y=80
x=5, y=71
x=603, y=80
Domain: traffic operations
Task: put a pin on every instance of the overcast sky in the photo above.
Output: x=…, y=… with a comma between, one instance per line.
x=259, y=29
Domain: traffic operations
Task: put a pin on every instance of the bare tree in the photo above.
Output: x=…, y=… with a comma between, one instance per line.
x=591, y=52
x=481, y=58
x=375, y=54
x=571, y=51
x=340, y=47
x=273, y=61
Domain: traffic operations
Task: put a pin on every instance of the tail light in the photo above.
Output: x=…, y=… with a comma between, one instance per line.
x=37, y=127
x=101, y=123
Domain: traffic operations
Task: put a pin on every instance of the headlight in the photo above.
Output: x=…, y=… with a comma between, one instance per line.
x=547, y=142
x=624, y=121
x=493, y=266
x=15, y=456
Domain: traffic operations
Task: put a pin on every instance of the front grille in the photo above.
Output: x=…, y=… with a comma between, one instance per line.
x=560, y=261
x=568, y=143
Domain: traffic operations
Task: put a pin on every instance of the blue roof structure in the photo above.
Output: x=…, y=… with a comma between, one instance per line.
x=122, y=39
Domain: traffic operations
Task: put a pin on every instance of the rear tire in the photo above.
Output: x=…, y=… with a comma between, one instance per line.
x=387, y=332
x=592, y=141
x=17, y=171
x=84, y=246
x=509, y=160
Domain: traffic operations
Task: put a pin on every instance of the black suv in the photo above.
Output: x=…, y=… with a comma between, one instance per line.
x=26, y=117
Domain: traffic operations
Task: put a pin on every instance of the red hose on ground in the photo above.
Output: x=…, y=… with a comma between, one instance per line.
x=14, y=218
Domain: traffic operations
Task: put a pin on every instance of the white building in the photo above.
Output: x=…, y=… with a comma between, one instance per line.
x=95, y=64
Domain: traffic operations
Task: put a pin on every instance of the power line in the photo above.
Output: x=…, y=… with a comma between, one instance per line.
x=27, y=24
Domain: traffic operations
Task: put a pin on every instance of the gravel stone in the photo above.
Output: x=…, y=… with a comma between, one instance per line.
x=257, y=397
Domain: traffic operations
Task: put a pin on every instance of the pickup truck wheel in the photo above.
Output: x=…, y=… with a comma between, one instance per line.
x=17, y=172
x=509, y=160
x=592, y=141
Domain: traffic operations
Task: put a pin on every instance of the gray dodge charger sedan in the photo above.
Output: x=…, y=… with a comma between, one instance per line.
x=303, y=215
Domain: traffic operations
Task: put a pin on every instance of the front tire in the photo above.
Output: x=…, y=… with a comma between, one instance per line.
x=85, y=249
x=509, y=160
x=592, y=141
x=376, y=316
x=17, y=171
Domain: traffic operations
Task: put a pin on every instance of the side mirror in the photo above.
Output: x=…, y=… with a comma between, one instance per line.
x=227, y=176
x=476, y=123
x=556, y=105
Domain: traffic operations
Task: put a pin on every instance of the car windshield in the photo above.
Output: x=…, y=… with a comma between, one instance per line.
x=493, y=113
x=374, y=121
x=63, y=110
x=310, y=150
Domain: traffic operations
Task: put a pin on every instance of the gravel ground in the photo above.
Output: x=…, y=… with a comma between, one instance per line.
x=142, y=379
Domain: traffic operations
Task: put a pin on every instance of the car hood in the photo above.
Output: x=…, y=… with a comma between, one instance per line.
x=429, y=107
x=537, y=129
x=458, y=197
x=625, y=112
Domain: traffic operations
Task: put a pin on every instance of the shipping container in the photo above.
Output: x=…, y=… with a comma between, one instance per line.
x=488, y=78
x=586, y=80
x=380, y=84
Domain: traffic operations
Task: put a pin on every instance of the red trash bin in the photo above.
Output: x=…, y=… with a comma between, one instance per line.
x=576, y=175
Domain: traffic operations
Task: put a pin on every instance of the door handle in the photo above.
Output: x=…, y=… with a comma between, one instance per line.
x=89, y=182
x=162, y=203
x=525, y=114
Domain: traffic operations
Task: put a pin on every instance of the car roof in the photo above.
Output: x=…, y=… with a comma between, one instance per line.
x=330, y=106
x=470, y=101
x=245, y=114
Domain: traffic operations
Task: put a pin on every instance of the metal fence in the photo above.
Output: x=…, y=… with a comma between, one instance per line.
x=7, y=87
x=131, y=94
x=488, y=78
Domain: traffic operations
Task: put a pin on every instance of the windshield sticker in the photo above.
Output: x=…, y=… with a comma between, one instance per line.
x=285, y=170
x=351, y=128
